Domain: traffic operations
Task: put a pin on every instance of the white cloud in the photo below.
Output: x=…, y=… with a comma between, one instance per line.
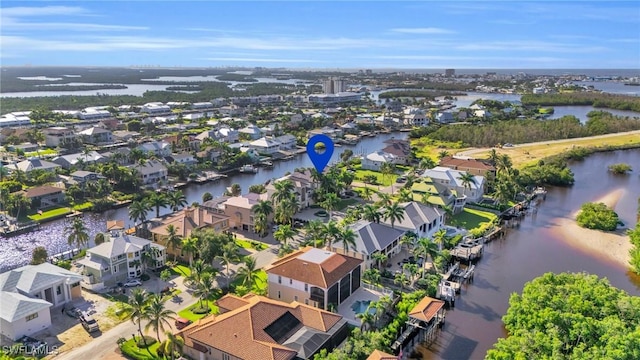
x=24, y=11
x=427, y=30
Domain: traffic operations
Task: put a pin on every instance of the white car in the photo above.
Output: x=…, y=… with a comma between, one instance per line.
x=132, y=283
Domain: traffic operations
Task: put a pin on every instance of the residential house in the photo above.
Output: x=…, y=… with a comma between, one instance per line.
x=82, y=177
x=251, y=131
x=155, y=108
x=183, y=158
x=120, y=257
x=158, y=148
x=69, y=161
x=152, y=172
x=202, y=105
x=393, y=106
x=266, y=145
x=95, y=113
x=45, y=196
x=33, y=164
x=375, y=160
x=401, y=152
x=15, y=119
x=124, y=135
x=223, y=134
x=28, y=294
x=215, y=205
x=317, y=277
x=329, y=131
x=420, y=219
x=58, y=136
x=385, y=121
x=304, y=187
x=451, y=179
x=96, y=136
x=186, y=221
x=415, y=117
x=287, y=141
x=230, y=110
x=473, y=166
x=482, y=113
x=371, y=238
x=350, y=128
x=445, y=117
x=427, y=191
x=365, y=119
x=256, y=327
x=239, y=209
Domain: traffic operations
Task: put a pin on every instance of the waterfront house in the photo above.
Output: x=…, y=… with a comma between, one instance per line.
x=375, y=160
x=155, y=108
x=427, y=191
x=25, y=147
x=266, y=145
x=95, y=113
x=445, y=117
x=223, y=134
x=183, y=158
x=256, y=327
x=239, y=209
x=421, y=219
x=371, y=238
x=33, y=164
x=27, y=295
x=158, y=148
x=451, y=179
x=287, y=141
x=251, y=131
x=120, y=257
x=304, y=187
x=185, y=222
x=329, y=131
x=401, y=152
x=215, y=205
x=15, y=119
x=44, y=197
x=71, y=160
x=96, y=136
x=82, y=177
x=317, y=277
x=152, y=172
x=473, y=166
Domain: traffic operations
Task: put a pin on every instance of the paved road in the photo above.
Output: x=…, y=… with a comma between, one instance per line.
x=569, y=141
x=104, y=347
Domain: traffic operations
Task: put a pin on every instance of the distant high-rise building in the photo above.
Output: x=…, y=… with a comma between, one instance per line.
x=334, y=86
x=369, y=71
x=450, y=72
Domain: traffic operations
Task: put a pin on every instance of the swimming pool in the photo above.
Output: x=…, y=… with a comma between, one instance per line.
x=361, y=306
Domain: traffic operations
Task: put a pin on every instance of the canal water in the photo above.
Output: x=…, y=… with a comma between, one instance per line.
x=475, y=324
x=16, y=251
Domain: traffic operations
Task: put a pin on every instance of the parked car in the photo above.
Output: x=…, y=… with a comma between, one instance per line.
x=132, y=283
x=72, y=311
x=89, y=323
x=182, y=323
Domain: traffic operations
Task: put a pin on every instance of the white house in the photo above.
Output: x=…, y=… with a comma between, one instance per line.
x=28, y=293
x=157, y=148
x=252, y=131
x=287, y=141
x=265, y=145
x=152, y=172
x=420, y=219
x=451, y=179
x=375, y=160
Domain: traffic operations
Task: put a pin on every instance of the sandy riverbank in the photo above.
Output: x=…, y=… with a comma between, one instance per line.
x=614, y=246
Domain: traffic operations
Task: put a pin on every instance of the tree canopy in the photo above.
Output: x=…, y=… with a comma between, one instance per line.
x=570, y=316
x=597, y=216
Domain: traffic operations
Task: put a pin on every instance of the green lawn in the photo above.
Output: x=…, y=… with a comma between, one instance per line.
x=247, y=244
x=131, y=349
x=472, y=218
x=346, y=202
x=181, y=270
x=84, y=206
x=381, y=179
x=50, y=214
x=187, y=314
x=260, y=287
x=42, y=152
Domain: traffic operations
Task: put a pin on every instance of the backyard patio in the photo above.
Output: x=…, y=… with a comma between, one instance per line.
x=359, y=301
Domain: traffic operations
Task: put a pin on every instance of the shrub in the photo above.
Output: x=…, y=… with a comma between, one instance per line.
x=145, y=277
x=597, y=216
x=199, y=310
x=149, y=340
x=65, y=264
x=620, y=169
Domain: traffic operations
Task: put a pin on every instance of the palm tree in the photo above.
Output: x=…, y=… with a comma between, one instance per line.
x=284, y=233
x=157, y=200
x=367, y=193
x=248, y=273
x=262, y=210
x=408, y=239
x=176, y=200
x=236, y=190
x=439, y=238
x=372, y=275
x=173, y=344
x=284, y=190
x=286, y=209
x=384, y=199
x=330, y=203
x=367, y=320
x=348, y=238
x=173, y=240
x=467, y=179
x=190, y=247
x=138, y=301
x=503, y=164
x=205, y=288
x=228, y=256
x=99, y=239
x=405, y=195
x=77, y=233
x=157, y=315
x=401, y=279
x=371, y=213
x=429, y=249
x=493, y=157
x=393, y=213
x=138, y=211
x=443, y=154
x=198, y=269
x=387, y=169
x=331, y=233
x=206, y=197
x=314, y=230
x=379, y=258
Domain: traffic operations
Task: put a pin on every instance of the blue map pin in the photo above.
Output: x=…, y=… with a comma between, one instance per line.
x=320, y=161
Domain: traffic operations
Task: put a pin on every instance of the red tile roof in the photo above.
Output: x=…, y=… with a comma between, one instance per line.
x=455, y=163
x=426, y=309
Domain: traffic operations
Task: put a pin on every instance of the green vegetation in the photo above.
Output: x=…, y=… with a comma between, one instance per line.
x=602, y=100
x=343, y=203
x=570, y=316
x=130, y=348
x=181, y=270
x=471, y=219
x=50, y=214
x=634, y=237
x=248, y=244
x=380, y=179
x=189, y=314
x=620, y=169
x=597, y=216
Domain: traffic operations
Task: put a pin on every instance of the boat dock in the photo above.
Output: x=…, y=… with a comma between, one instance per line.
x=12, y=229
x=468, y=250
x=208, y=176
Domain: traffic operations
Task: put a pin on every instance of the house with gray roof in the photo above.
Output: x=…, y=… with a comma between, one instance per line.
x=157, y=148
x=371, y=238
x=120, y=257
x=452, y=180
x=68, y=161
x=32, y=164
x=96, y=136
x=152, y=172
x=420, y=219
x=28, y=293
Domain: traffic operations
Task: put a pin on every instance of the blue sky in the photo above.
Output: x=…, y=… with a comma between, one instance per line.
x=327, y=34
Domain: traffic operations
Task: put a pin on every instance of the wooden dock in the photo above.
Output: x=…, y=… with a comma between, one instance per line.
x=468, y=251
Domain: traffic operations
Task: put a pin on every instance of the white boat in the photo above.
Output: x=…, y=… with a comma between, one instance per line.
x=248, y=169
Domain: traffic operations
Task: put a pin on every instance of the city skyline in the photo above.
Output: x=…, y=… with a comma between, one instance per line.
x=541, y=35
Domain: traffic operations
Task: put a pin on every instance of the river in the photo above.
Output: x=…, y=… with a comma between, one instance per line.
x=475, y=324
x=16, y=251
